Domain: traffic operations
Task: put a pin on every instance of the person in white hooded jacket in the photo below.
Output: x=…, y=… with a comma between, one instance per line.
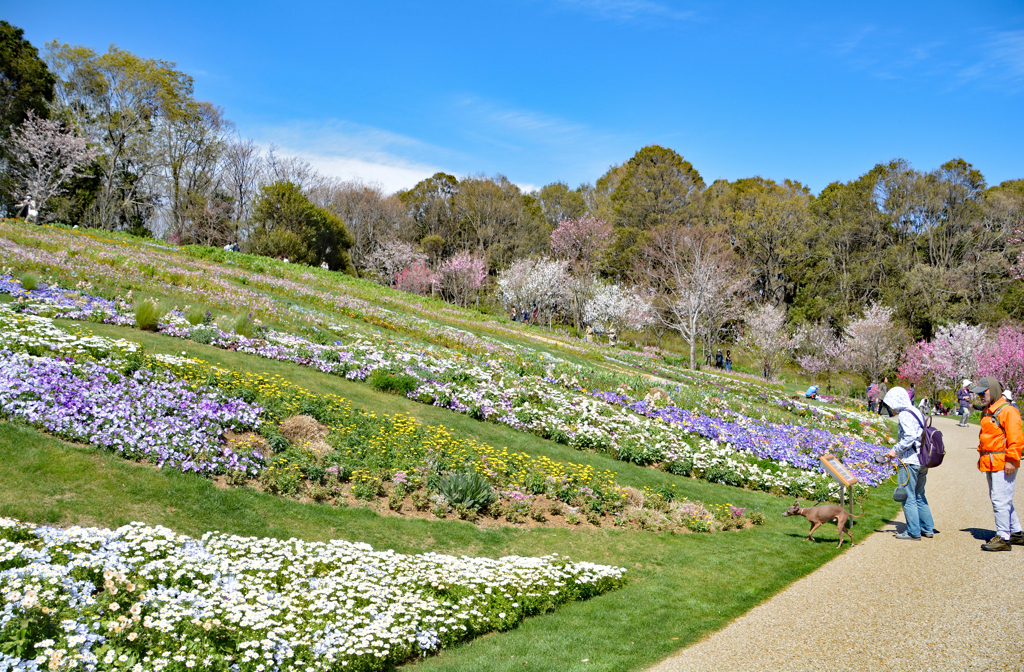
x=911, y=424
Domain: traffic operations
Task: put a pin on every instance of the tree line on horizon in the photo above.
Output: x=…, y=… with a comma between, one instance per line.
x=938, y=246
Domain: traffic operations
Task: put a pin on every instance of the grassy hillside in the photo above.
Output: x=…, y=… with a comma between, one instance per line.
x=479, y=368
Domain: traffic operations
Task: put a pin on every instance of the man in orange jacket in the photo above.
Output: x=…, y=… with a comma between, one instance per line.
x=1000, y=443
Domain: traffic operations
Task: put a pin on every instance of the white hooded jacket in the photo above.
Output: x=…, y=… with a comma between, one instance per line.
x=910, y=430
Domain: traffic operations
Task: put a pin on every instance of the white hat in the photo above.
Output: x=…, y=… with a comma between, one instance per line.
x=966, y=383
x=1008, y=394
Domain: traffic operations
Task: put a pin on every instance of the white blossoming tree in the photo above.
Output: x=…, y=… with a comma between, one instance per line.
x=541, y=283
x=874, y=342
x=46, y=154
x=767, y=338
x=611, y=306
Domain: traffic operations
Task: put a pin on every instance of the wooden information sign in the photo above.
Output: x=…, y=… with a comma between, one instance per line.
x=838, y=470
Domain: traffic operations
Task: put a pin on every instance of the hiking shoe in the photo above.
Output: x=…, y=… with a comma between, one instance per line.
x=904, y=535
x=997, y=544
x=1017, y=539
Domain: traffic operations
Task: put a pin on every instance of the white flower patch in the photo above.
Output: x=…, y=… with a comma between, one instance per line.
x=147, y=596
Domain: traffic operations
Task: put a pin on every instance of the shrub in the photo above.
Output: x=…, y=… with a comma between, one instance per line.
x=758, y=518
x=236, y=477
x=572, y=519
x=392, y=383
x=420, y=501
x=593, y=517
x=698, y=525
x=29, y=282
x=680, y=468
x=470, y=489
x=202, y=336
x=319, y=493
x=147, y=315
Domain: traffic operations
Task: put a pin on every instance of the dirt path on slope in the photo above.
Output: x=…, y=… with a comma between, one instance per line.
x=937, y=604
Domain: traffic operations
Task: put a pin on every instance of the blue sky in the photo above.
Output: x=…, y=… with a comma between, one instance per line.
x=562, y=89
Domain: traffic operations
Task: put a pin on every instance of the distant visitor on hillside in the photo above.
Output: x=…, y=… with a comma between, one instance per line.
x=883, y=389
x=873, y=397
x=812, y=392
x=719, y=360
x=728, y=360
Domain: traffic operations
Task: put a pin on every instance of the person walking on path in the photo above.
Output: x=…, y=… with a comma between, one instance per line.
x=873, y=397
x=728, y=360
x=963, y=397
x=999, y=443
x=883, y=389
x=911, y=426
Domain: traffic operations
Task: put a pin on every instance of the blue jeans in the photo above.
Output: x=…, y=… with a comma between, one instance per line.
x=916, y=509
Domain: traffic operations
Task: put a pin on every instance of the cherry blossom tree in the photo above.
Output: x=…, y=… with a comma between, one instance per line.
x=952, y=355
x=766, y=337
x=581, y=242
x=874, y=342
x=417, y=278
x=460, y=276
x=541, y=283
x=392, y=257
x=1003, y=357
x=819, y=350
x=46, y=153
x=696, y=278
x=612, y=306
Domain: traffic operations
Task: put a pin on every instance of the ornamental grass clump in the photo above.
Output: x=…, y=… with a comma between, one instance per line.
x=246, y=325
x=147, y=315
x=29, y=282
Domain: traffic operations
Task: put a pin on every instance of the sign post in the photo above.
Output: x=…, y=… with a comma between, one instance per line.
x=842, y=475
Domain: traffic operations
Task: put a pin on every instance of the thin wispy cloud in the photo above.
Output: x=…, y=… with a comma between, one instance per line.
x=356, y=152
x=1002, y=62
x=626, y=10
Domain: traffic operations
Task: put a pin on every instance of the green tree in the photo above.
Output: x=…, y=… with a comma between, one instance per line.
x=431, y=206
x=288, y=225
x=558, y=202
x=26, y=85
x=771, y=226
x=656, y=187
x=120, y=99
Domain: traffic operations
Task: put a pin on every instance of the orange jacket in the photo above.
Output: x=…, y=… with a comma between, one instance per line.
x=995, y=446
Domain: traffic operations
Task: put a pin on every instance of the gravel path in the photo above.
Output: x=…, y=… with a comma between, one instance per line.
x=938, y=604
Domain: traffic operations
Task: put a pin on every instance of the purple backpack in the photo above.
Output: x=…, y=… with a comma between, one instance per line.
x=932, y=449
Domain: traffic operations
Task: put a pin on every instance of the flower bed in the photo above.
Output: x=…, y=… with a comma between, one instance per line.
x=142, y=416
x=145, y=598
x=513, y=385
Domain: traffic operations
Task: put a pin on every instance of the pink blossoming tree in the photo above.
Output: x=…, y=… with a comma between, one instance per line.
x=417, y=278
x=459, y=277
x=819, y=351
x=581, y=242
x=1003, y=357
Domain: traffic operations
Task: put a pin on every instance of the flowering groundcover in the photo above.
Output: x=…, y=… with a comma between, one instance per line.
x=144, y=598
